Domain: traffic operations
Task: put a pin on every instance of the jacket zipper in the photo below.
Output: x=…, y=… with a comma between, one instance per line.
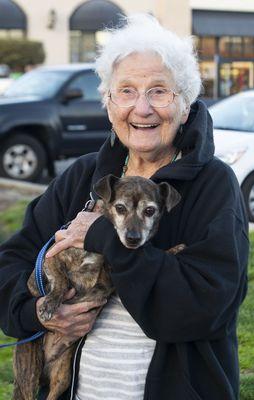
x=88, y=207
x=74, y=369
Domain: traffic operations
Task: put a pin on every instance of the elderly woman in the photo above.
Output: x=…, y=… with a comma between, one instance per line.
x=170, y=332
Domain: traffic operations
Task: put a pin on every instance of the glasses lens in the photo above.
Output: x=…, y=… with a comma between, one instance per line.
x=124, y=97
x=159, y=97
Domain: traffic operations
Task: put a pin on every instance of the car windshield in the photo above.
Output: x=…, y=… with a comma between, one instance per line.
x=44, y=84
x=235, y=113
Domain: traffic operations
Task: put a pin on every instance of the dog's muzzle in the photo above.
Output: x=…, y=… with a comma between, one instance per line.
x=133, y=238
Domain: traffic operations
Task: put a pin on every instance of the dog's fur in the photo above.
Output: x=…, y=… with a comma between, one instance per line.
x=134, y=205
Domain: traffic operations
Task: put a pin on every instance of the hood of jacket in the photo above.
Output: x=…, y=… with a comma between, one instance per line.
x=194, y=140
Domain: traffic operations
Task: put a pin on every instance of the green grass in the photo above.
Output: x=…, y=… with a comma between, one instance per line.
x=10, y=221
x=246, y=334
x=5, y=369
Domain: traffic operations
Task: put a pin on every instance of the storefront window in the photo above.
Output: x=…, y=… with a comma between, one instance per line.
x=208, y=74
x=230, y=46
x=248, y=47
x=11, y=34
x=235, y=77
x=84, y=45
x=206, y=46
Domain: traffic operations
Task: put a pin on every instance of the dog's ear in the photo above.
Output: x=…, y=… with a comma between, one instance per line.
x=170, y=195
x=105, y=186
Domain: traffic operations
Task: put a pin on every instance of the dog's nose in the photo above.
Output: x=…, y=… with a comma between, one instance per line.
x=133, y=238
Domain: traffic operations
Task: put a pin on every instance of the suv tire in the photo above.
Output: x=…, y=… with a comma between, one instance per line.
x=22, y=157
x=248, y=194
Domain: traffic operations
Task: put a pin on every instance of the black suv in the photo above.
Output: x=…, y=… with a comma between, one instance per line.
x=50, y=113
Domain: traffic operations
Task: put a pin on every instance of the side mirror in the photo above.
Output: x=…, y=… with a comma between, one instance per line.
x=71, y=94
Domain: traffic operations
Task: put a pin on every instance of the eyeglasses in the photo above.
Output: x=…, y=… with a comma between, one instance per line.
x=156, y=97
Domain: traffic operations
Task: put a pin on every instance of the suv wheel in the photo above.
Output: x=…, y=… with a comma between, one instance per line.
x=248, y=194
x=22, y=157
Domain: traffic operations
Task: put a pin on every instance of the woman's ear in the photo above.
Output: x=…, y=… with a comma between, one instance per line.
x=185, y=114
x=109, y=111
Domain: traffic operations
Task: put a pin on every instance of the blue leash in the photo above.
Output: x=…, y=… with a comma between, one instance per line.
x=39, y=275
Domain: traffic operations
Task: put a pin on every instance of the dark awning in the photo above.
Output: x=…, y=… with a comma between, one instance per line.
x=94, y=15
x=222, y=23
x=11, y=16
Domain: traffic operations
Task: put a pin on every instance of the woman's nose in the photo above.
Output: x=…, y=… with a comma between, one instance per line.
x=143, y=106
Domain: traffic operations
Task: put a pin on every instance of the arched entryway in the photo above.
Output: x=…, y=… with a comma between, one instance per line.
x=86, y=25
x=13, y=22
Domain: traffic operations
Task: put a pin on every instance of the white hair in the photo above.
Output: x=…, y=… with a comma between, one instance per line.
x=142, y=33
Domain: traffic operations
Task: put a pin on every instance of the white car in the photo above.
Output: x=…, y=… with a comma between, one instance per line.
x=4, y=84
x=233, y=120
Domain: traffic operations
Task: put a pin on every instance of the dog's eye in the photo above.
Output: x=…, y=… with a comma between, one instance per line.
x=120, y=209
x=149, y=211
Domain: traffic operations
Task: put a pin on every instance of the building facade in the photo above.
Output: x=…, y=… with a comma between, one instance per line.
x=71, y=31
x=224, y=33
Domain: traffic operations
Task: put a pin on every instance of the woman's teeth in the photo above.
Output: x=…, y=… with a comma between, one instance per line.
x=144, y=126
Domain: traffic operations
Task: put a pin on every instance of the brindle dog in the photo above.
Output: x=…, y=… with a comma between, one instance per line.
x=134, y=205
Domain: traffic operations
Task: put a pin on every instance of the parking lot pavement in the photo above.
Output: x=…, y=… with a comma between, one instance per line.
x=63, y=164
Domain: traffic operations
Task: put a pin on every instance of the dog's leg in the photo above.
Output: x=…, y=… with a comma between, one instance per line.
x=57, y=286
x=17, y=394
x=55, y=345
x=59, y=374
x=27, y=369
x=176, y=249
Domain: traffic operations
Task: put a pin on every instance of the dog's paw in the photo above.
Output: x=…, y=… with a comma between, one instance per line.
x=177, y=249
x=46, y=311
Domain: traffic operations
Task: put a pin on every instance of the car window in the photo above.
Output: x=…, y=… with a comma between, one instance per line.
x=88, y=83
x=37, y=83
x=235, y=113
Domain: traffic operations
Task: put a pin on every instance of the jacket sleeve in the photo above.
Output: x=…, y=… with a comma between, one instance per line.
x=194, y=295
x=44, y=216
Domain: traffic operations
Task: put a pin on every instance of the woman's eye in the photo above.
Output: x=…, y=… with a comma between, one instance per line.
x=127, y=91
x=120, y=209
x=149, y=211
x=158, y=91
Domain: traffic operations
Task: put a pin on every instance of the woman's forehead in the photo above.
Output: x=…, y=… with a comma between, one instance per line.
x=145, y=66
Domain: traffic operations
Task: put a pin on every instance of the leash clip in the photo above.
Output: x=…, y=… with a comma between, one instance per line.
x=89, y=204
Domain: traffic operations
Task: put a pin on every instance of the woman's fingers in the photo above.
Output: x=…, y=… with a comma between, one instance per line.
x=72, y=319
x=59, y=246
x=74, y=235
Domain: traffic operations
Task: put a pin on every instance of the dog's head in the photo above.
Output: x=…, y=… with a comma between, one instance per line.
x=134, y=205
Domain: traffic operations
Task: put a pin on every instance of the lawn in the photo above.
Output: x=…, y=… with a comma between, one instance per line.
x=11, y=219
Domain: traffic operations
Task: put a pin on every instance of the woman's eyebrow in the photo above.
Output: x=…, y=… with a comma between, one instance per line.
x=153, y=83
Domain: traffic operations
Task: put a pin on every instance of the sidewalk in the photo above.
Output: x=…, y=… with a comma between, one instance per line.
x=12, y=191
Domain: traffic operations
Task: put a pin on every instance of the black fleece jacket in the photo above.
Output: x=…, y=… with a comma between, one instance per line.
x=188, y=303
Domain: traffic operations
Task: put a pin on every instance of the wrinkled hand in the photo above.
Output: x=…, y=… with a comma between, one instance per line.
x=75, y=234
x=72, y=320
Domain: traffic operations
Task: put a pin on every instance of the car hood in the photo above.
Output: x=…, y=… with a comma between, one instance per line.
x=19, y=100
x=228, y=140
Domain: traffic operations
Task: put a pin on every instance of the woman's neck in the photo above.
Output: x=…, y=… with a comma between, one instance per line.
x=146, y=165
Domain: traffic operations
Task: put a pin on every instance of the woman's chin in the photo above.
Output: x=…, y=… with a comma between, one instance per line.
x=143, y=148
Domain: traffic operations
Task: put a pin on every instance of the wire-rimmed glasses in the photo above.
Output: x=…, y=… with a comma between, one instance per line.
x=156, y=97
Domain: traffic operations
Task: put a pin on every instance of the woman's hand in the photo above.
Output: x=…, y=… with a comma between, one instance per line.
x=72, y=320
x=75, y=234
